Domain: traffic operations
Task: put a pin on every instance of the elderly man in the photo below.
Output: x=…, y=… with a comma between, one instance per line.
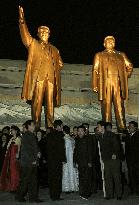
x=42, y=76
x=111, y=70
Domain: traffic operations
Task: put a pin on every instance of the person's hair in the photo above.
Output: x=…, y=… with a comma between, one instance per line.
x=14, y=127
x=81, y=127
x=28, y=123
x=102, y=123
x=134, y=123
x=6, y=128
x=66, y=129
x=57, y=123
x=108, y=37
x=43, y=28
x=85, y=125
x=107, y=124
x=75, y=127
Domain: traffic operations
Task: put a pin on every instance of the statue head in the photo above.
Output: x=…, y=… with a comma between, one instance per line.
x=43, y=33
x=109, y=42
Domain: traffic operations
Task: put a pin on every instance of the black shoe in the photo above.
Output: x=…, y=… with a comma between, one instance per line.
x=36, y=201
x=119, y=198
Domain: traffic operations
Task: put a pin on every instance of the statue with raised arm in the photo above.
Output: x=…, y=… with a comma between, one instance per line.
x=111, y=70
x=42, y=81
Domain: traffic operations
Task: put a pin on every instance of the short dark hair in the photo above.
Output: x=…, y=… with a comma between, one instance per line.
x=134, y=123
x=66, y=129
x=75, y=127
x=28, y=123
x=102, y=123
x=57, y=123
x=81, y=127
x=107, y=124
x=14, y=127
x=85, y=124
x=6, y=128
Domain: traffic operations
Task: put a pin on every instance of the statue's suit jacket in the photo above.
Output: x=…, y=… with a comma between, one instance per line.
x=43, y=64
x=100, y=72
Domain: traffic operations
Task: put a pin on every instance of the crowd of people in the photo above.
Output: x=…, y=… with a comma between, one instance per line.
x=65, y=161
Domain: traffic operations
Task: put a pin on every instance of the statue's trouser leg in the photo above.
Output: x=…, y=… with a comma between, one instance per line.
x=49, y=110
x=119, y=107
x=106, y=104
x=37, y=101
x=113, y=94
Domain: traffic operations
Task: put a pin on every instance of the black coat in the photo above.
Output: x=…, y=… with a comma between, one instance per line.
x=55, y=147
x=29, y=149
x=83, y=152
x=109, y=145
x=132, y=148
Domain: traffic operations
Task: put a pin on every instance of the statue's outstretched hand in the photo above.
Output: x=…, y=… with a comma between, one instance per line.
x=21, y=13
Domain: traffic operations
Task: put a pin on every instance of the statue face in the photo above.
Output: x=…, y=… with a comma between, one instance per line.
x=109, y=43
x=43, y=35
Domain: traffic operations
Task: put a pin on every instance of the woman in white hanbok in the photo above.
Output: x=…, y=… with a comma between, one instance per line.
x=70, y=181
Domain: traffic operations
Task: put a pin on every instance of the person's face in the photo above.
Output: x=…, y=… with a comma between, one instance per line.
x=100, y=129
x=81, y=132
x=43, y=35
x=13, y=132
x=75, y=131
x=109, y=43
x=31, y=127
x=24, y=129
x=131, y=128
x=86, y=129
x=39, y=136
x=60, y=128
x=4, y=138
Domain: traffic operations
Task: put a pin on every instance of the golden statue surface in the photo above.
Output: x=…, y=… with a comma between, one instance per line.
x=110, y=73
x=42, y=81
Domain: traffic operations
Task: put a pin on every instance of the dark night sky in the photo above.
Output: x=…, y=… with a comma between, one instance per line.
x=78, y=27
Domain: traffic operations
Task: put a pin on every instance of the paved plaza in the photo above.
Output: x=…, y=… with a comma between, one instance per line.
x=71, y=199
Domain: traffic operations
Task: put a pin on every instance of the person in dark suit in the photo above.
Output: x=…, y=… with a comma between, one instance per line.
x=56, y=157
x=83, y=159
x=132, y=156
x=110, y=154
x=93, y=143
x=29, y=155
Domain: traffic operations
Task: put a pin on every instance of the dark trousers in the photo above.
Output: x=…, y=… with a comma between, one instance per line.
x=55, y=179
x=28, y=183
x=133, y=173
x=112, y=176
x=85, y=181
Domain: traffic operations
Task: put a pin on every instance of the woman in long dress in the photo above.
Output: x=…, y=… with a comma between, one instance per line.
x=9, y=179
x=70, y=182
x=3, y=148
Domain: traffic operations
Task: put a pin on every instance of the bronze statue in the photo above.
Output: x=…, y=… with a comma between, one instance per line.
x=42, y=82
x=111, y=70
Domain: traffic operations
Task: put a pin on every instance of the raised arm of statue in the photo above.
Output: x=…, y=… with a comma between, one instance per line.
x=25, y=35
x=95, y=73
x=129, y=66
